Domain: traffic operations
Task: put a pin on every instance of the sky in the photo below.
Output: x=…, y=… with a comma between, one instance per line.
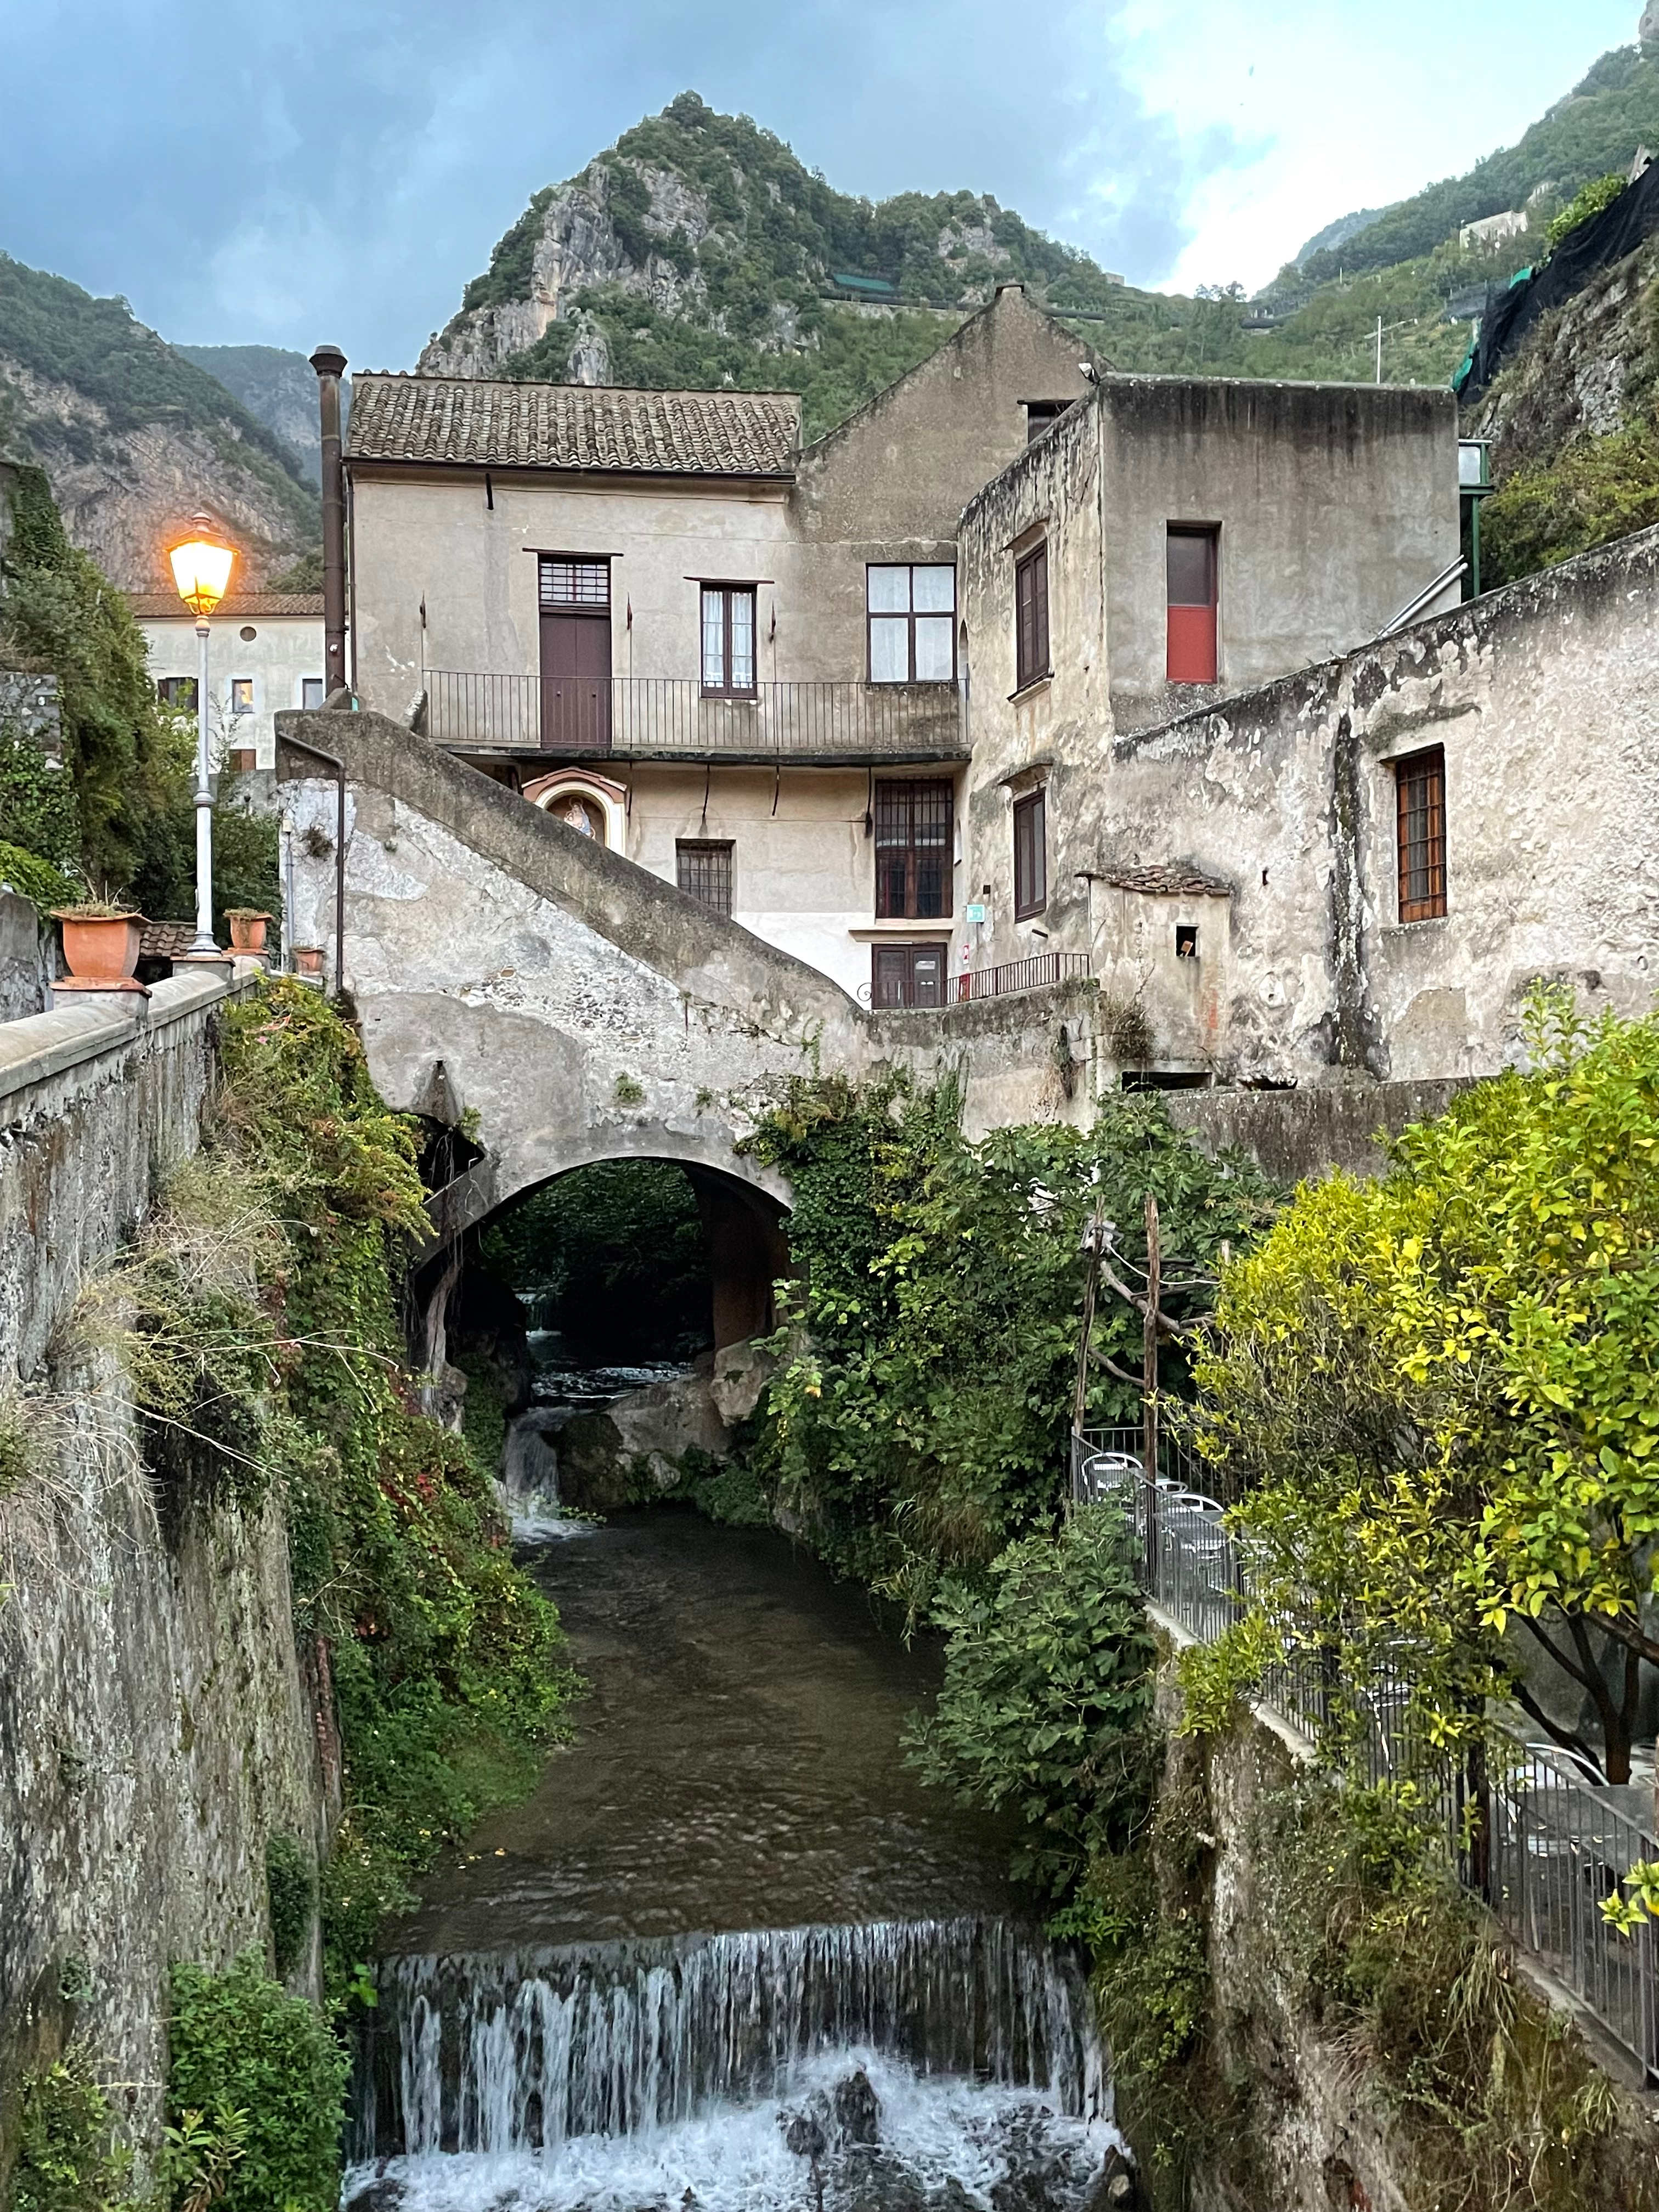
x=293, y=171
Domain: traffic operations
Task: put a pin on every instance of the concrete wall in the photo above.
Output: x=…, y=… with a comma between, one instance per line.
x=1542, y=697
x=1335, y=504
x=154, y=1724
x=277, y=651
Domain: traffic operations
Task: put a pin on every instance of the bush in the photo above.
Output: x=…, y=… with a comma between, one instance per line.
x=67, y=2158
x=291, y=1898
x=238, y=2045
x=1046, y=1700
x=1601, y=488
x=1586, y=203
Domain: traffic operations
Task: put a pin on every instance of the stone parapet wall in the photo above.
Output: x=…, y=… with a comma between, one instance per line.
x=156, y=1725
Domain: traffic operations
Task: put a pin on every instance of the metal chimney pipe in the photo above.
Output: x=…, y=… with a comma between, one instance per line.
x=329, y=365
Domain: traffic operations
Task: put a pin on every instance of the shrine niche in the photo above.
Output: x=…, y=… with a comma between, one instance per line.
x=591, y=805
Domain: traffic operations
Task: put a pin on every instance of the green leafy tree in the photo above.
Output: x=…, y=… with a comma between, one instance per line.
x=1046, y=1705
x=1441, y=1390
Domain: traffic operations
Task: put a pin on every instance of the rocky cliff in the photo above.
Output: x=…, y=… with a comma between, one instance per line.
x=278, y=388
x=134, y=438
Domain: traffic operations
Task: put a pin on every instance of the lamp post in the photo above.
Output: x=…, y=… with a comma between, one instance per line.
x=201, y=569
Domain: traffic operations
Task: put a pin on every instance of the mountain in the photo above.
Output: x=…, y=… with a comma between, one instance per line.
x=1337, y=234
x=134, y=438
x=1597, y=128
x=278, y=388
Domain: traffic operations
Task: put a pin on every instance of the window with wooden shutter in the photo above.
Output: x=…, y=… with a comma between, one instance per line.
x=1031, y=617
x=1031, y=856
x=912, y=824
x=703, y=866
x=1192, y=572
x=1421, y=809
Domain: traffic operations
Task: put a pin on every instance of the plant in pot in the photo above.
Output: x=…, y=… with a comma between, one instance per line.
x=101, y=937
x=308, y=959
x=247, y=928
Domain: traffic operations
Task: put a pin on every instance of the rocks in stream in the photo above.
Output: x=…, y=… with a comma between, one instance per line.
x=858, y=2109
x=849, y=2118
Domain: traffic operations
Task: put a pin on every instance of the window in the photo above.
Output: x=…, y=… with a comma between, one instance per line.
x=913, y=851
x=574, y=583
x=1040, y=413
x=177, y=692
x=1031, y=856
x=912, y=615
x=704, y=868
x=248, y=633
x=1191, y=569
x=1186, y=941
x=907, y=976
x=241, y=760
x=728, y=640
x=1420, y=797
x=241, y=695
x=311, y=692
x=1031, y=617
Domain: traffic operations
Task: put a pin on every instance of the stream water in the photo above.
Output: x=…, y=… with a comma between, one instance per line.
x=730, y=1954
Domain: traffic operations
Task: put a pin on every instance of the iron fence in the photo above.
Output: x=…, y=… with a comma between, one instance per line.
x=650, y=717
x=1548, y=1845
x=1034, y=974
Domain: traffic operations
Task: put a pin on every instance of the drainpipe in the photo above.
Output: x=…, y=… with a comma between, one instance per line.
x=329, y=365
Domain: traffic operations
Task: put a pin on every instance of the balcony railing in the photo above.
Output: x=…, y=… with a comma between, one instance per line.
x=673, y=718
x=1034, y=973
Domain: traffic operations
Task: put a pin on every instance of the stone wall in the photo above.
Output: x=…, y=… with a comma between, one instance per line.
x=31, y=707
x=24, y=971
x=154, y=1726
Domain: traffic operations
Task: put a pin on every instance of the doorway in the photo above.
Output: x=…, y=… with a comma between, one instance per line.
x=575, y=654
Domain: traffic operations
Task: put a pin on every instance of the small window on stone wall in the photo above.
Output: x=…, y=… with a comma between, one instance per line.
x=1420, y=813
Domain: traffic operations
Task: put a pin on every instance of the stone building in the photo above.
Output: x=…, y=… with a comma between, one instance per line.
x=780, y=676
x=265, y=653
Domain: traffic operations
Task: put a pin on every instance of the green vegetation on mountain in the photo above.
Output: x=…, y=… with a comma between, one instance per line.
x=98, y=348
x=1597, y=128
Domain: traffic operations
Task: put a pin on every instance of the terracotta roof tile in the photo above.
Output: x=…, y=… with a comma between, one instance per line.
x=572, y=426
x=162, y=606
x=1167, y=880
x=165, y=941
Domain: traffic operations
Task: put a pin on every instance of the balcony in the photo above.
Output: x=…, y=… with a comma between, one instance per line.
x=672, y=718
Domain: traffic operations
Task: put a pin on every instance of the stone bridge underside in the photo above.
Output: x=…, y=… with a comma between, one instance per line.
x=572, y=1007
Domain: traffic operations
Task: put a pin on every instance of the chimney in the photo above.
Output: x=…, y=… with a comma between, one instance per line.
x=329, y=365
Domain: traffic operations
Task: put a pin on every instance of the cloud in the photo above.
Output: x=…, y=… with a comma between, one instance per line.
x=339, y=169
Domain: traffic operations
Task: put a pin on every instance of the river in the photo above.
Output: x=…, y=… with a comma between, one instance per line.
x=730, y=1954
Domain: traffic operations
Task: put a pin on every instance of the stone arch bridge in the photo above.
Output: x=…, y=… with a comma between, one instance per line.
x=566, y=1006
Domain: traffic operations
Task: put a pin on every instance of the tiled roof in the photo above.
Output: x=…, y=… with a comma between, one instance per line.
x=164, y=606
x=573, y=425
x=165, y=941
x=1168, y=879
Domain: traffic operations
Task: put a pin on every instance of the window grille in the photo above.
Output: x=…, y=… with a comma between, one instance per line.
x=912, y=824
x=1420, y=790
x=574, y=583
x=704, y=868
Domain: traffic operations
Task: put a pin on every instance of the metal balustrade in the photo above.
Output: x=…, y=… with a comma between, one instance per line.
x=1554, y=1846
x=1033, y=974
x=650, y=717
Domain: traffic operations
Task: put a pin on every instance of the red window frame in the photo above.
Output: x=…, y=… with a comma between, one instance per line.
x=1193, y=589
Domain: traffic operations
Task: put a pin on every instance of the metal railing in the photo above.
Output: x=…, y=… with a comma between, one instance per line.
x=669, y=717
x=1553, y=1845
x=1033, y=974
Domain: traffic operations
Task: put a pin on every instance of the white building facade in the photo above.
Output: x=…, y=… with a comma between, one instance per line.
x=265, y=655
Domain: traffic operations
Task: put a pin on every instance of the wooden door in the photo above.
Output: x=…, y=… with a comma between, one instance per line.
x=576, y=681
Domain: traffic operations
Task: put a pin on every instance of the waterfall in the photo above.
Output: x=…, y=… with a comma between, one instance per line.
x=520, y=2050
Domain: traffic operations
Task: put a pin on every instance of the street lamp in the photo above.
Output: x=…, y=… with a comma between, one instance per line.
x=201, y=569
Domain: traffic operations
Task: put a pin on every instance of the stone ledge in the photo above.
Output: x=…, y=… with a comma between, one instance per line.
x=41, y=1046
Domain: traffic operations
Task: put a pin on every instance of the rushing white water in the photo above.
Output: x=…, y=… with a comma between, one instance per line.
x=939, y=2141
x=626, y=2074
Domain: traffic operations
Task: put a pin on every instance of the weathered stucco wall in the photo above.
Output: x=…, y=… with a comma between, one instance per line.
x=154, y=1725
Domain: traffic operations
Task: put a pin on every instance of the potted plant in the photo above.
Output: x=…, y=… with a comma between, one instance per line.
x=101, y=937
x=247, y=928
x=308, y=959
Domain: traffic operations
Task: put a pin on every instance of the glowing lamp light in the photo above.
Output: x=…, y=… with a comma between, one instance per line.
x=201, y=569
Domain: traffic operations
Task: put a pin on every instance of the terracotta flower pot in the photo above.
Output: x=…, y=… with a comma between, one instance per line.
x=248, y=929
x=308, y=959
x=101, y=950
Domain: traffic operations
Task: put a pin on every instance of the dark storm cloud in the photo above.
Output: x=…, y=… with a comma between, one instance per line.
x=286, y=171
